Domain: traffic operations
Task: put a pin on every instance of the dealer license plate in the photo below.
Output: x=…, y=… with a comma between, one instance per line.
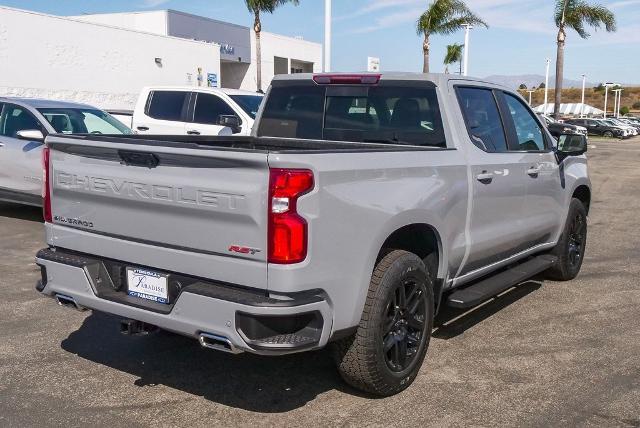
x=148, y=285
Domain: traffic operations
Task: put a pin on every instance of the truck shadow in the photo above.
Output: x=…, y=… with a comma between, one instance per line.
x=21, y=212
x=452, y=322
x=246, y=381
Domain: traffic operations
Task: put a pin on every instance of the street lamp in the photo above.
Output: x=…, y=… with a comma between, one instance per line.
x=546, y=86
x=584, y=79
x=530, y=92
x=467, y=28
x=327, y=35
x=606, y=94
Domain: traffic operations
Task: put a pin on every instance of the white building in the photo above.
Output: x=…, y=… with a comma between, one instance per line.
x=106, y=59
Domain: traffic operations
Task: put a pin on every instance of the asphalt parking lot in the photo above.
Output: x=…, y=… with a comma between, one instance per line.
x=543, y=354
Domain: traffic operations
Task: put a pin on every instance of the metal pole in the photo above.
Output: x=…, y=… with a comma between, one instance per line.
x=327, y=35
x=546, y=86
x=615, y=103
x=531, y=91
x=606, y=93
x=465, y=70
x=584, y=79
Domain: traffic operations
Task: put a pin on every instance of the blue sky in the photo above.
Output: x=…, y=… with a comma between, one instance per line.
x=520, y=37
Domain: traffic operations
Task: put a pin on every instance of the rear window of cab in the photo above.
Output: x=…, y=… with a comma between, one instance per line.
x=385, y=113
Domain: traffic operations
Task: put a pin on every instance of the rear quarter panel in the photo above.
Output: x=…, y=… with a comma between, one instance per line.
x=358, y=201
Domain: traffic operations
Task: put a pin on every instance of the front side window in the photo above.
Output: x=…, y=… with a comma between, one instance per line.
x=209, y=108
x=166, y=105
x=390, y=114
x=83, y=121
x=529, y=133
x=249, y=103
x=482, y=117
x=15, y=118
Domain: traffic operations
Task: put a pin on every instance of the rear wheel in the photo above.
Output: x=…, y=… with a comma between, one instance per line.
x=608, y=134
x=572, y=244
x=385, y=354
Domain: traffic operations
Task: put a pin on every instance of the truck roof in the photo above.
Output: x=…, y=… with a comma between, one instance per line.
x=202, y=89
x=437, y=78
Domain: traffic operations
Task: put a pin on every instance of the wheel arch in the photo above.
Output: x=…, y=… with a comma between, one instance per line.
x=583, y=194
x=423, y=240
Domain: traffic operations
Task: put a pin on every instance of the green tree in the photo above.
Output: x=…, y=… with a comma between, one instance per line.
x=522, y=86
x=624, y=111
x=255, y=7
x=454, y=54
x=576, y=14
x=443, y=17
x=541, y=86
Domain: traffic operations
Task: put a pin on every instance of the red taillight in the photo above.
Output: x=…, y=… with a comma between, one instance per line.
x=347, y=79
x=46, y=191
x=287, y=229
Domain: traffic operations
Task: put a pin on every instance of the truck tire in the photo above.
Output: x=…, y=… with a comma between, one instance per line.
x=384, y=356
x=573, y=241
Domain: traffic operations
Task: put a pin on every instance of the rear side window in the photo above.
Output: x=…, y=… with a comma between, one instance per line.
x=166, y=105
x=482, y=117
x=15, y=118
x=209, y=108
x=385, y=113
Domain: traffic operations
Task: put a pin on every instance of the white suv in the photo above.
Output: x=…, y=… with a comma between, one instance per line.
x=179, y=110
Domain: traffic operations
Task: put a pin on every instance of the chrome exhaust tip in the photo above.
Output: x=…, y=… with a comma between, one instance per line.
x=219, y=343
x=68, y=302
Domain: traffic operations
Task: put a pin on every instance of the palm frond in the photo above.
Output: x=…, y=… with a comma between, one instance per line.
x=578, y=13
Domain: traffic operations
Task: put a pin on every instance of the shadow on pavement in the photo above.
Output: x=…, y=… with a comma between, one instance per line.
x=452, y=322
x=246, y=381
x=21, y=212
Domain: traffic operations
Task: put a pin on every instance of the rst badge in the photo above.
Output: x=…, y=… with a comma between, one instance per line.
x=243, y=250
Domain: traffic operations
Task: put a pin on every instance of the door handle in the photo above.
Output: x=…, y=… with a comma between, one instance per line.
x=533, y=171
x=485, y=177
x=193, y=132
x=142, y=128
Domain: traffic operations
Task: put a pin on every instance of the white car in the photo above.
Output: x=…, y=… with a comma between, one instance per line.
x=180, y=110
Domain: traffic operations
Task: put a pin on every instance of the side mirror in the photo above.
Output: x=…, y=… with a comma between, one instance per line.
x=31, y=135
x=571, y=145
x=230, y=121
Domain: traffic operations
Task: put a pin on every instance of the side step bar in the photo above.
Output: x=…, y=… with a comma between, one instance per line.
x=487, y=288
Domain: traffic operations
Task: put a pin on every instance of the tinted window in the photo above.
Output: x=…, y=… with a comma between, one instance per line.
x=209, y=108
x=249, y=103
x=384, y=113
x=482, y=117
x=14, y=119
x=529, y=132
x=166, y=105
x=83, y=121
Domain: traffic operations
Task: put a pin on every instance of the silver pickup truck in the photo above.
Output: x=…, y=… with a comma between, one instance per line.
x=360, y=206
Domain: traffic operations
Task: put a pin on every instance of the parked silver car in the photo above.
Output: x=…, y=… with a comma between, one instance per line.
x=24, y=123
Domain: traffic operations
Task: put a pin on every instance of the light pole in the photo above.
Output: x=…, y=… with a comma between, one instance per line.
x=584, y=79
x=467, y=28
x=530, y=92
x=327, y=35
x=618, y=100
x=546, y=86
x=606, y=94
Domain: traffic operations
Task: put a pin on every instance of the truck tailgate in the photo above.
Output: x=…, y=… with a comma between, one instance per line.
x=182, y=201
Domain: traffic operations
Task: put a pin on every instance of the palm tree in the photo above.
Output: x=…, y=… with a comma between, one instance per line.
x=444, y=17
x=255, y=7
x=454, y=54
x=575, y=14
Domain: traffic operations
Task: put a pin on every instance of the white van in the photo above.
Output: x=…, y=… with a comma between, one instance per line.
x=180, y=110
